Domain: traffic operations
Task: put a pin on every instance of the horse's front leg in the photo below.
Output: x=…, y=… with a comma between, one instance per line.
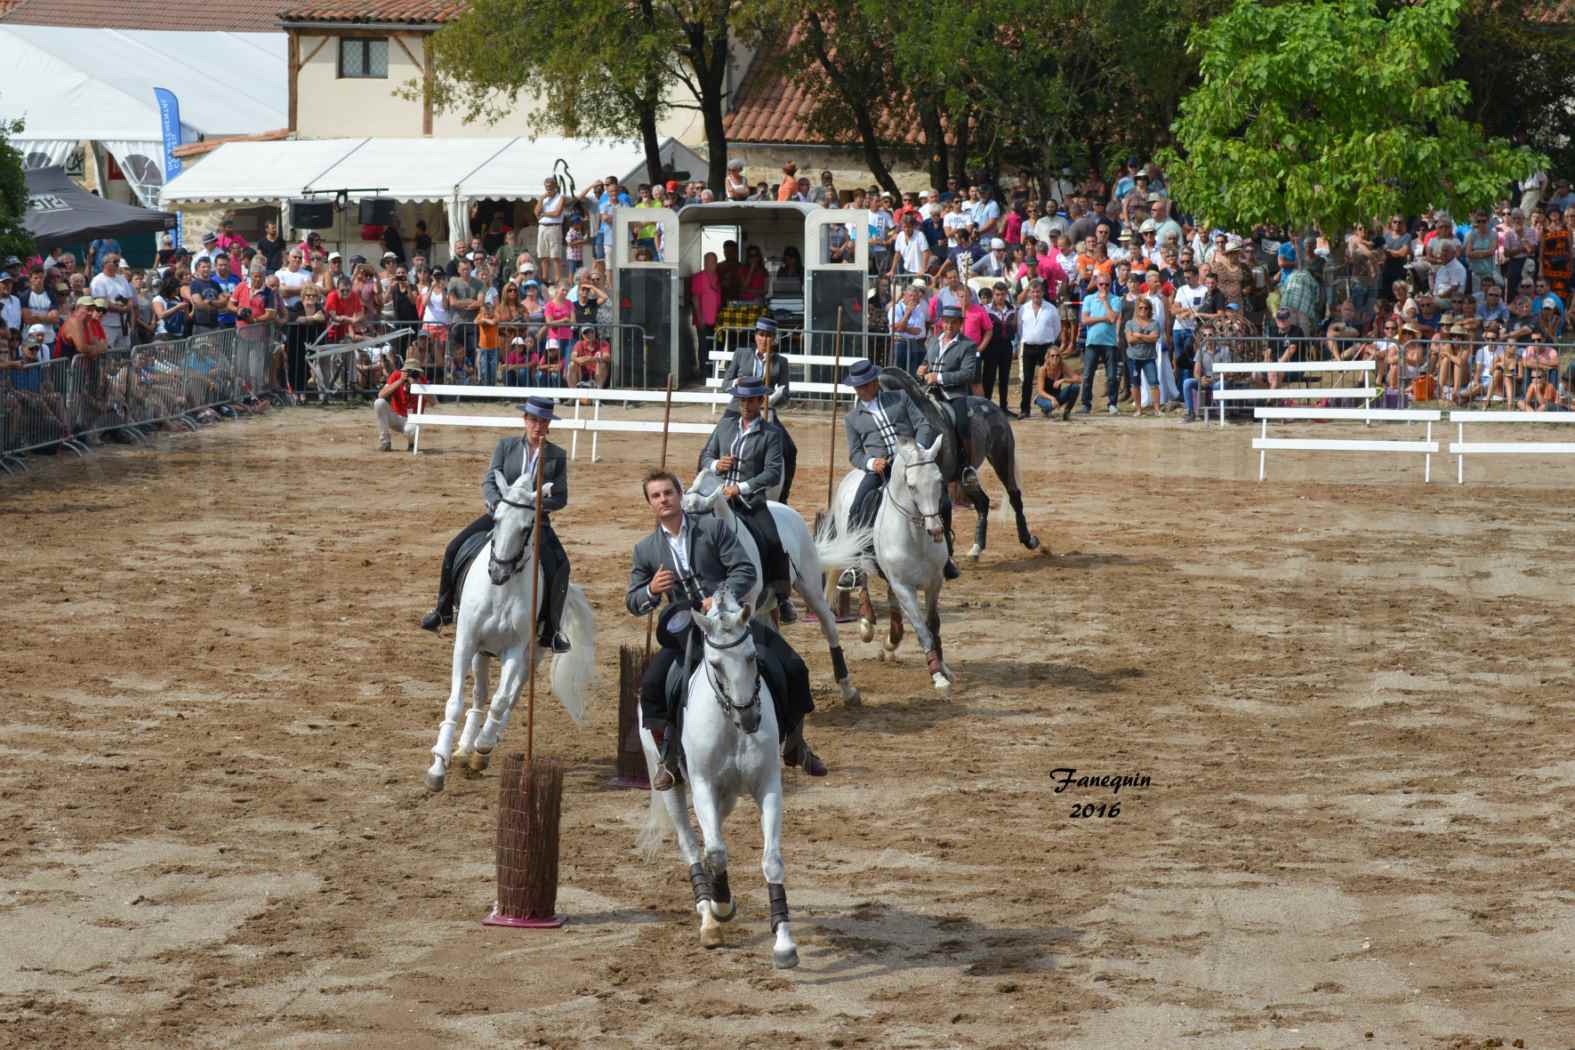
x=479, y=667
x=511, y=675
x=708, y=812
x=437, y=773
x=1025, y=535
x=894, y=610
x=940, y=674
x=784, y=952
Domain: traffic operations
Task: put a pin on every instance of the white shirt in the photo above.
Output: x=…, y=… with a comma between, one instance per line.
x=555, y=201
x=917, y=318
x=290, y=284
x=39, y=302
x=911, y=251
x=1047, y=228
x=1190, y=298
x=1449, y=279
x=1041, y=327
x=109, y=289
x=678, y=546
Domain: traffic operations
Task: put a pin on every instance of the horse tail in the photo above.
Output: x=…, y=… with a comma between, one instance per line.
x=657, y=825
x=844, y=549
x=572, y=671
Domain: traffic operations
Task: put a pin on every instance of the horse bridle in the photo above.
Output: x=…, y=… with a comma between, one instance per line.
x=723, y=697
x=512, y=565
x=913, y=514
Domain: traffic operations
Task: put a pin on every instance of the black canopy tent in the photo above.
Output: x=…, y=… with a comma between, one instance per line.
x=60, y=212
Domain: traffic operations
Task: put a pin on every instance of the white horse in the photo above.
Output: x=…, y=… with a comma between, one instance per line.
x=809, y=556
x=495, y=620
x=910, y=548
x=731, y=747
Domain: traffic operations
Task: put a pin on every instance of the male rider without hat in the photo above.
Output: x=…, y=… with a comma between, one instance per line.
x=685, y=561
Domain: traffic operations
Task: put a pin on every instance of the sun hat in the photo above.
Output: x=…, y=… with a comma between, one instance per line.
x=860, y=372
x=540, y=407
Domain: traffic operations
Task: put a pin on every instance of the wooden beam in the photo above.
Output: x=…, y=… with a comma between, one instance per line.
x=408, y=53
x=295, y=75
x=320, y=45
x=426, y=85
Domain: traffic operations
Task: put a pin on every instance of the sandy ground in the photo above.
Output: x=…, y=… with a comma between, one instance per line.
x=1353, y=696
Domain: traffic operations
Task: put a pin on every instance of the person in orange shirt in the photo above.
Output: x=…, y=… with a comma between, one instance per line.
x=788, y=190
x=487, y=343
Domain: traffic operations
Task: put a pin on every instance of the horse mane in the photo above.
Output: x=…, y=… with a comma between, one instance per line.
x=938, y=418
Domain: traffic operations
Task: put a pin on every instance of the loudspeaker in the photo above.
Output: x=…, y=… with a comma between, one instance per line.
x=312, y=215
x=377, y=211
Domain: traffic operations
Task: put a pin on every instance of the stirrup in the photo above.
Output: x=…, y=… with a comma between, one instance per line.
x=969, y=478
x=851, y=579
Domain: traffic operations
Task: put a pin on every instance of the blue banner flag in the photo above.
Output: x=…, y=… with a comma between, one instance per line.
x=169, y=122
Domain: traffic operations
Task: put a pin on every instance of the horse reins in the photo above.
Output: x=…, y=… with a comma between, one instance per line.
x=723, y=697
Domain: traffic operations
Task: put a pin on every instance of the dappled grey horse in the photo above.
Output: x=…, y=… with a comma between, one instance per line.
x=990, y=435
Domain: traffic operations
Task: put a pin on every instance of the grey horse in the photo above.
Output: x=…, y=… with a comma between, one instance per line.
x=990, y=435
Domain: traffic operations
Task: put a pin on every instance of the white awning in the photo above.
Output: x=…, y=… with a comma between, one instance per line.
x=257, y=171
x=409, y=169
x=452, y=170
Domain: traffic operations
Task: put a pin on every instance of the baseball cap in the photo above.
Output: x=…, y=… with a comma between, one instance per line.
x=1282, y=314
x=124, y=265
x=100, y=304
x=4, y=276
x=390, y=255
x=997, y=245
x=85, y=300
x=334, y=255
x=35, y=334
x=210, y=237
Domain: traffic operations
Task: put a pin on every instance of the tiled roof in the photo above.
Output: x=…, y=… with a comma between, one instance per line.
x=141, y=14
x=375, y=12
x=770, y=107
x=197, y=149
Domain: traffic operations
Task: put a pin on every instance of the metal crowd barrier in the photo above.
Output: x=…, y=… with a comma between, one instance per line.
x=73, y=403
x=356, y=369
x=453, y=355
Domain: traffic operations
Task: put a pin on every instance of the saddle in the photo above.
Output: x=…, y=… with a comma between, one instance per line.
x=676, y=688
x=468, y=552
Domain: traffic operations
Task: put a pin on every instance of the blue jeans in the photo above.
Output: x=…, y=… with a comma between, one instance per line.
x=907, y=354
x=1148, y=370
x=1111, y=357
x=1063, y=395
x=487, y=367
x=1190, y=394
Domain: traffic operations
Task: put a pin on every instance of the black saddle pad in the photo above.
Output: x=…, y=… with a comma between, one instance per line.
x=676, y=686
x=467, y=554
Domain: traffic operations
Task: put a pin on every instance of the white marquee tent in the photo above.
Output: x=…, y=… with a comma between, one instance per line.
x=453, y=171
x=71, y=84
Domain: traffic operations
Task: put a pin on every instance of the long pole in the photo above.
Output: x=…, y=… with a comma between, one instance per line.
x=535, y=603
x=831, y=446
x=667, y=417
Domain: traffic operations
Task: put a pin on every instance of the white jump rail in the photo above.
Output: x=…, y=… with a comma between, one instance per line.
x=720, y=358
x=596, y=425
x=1228, y=368
x=1460, y=447
x=1428, y=448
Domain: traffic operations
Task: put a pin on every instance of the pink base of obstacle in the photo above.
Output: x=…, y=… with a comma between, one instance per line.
x=551, y=922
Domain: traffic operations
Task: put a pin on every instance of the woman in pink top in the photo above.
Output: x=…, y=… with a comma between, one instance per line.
x=559, y=315
x=705, y=300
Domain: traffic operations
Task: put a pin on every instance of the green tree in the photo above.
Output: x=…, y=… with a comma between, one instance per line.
x=591, y=67
x=1332, y=113
x=14, y=238
x=1518, y=58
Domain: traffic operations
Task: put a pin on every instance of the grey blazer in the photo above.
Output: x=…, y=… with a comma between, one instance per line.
x=715, y=557
x=509, y=458
x=863, y=431
x=759, y=468
x=745, y=363
x=957, y=365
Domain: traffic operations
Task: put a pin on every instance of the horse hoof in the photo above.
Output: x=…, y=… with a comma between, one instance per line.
x=479, y=760
x=724, y=916
x=711, y=936
x=784, y=959
x=434, y=782
x=854, y=698
x=866, y=631
x=974, y=552
x=1033, y=543
x=942, y=683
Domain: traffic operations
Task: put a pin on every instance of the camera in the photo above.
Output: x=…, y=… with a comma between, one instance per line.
x=690, y=586
x=245, y=314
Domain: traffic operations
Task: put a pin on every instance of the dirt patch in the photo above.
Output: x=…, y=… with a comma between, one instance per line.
x=1352, y=696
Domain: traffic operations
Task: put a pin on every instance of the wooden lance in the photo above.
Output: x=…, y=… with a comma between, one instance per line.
x=667, y=417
